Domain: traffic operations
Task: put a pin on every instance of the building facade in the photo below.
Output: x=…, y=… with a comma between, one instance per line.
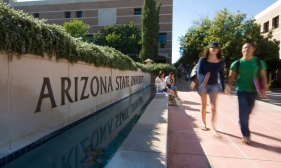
x=269, y=19
x=100, y=13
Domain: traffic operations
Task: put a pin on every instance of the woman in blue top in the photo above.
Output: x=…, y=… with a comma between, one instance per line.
x=210, y=75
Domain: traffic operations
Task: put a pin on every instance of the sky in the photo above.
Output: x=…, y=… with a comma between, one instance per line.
x=186, y=11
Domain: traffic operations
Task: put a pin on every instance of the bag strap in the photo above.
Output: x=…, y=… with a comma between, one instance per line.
x=259, y=66
x=258, y=63
x=237, y=65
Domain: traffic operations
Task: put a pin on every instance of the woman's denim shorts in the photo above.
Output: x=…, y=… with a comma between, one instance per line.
x=214, y=88
x=173, y=88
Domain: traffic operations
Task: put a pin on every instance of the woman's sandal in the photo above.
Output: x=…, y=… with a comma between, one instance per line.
x=204, y=128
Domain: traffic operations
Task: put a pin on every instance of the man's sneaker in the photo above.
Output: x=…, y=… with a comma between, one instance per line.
x=246, y=140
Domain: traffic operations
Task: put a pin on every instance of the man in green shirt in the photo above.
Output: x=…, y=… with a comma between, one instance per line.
x=245, y=70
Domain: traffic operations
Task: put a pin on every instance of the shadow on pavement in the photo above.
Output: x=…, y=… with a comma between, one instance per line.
x=266, y=136
x=184, y=147
x=257, y=144
x=190, y=103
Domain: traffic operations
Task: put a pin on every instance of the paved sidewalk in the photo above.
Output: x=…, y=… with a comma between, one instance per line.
x=189, y=146
x=146, y=145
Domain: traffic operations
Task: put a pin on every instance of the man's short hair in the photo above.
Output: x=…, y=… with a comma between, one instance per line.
x=172, y=73
x=253, y=44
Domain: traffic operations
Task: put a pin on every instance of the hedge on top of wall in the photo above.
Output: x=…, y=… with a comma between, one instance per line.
x=155, y=68
x=20, y=33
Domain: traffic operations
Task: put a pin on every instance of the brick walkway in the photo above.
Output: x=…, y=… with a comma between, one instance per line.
x=189, y=146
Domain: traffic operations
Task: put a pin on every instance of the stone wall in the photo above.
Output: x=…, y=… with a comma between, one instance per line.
x=39, y=95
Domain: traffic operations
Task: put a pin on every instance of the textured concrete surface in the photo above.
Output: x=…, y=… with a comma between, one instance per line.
x=146, y=145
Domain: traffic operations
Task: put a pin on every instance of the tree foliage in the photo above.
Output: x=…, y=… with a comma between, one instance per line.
x=77, y=29
x=232, y=30
x=20, y=34
x=150, y=30
x=125, y=38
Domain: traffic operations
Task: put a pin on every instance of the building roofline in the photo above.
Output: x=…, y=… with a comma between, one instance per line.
x=266, y=10
x=49, y=2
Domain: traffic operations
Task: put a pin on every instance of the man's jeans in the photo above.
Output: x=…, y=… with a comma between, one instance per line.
x=246, y=102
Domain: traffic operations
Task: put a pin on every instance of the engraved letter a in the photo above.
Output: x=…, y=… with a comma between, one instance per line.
x=49, y=94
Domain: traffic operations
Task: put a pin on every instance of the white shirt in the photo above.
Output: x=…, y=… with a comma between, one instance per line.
x=160, y=84
x=168, y=80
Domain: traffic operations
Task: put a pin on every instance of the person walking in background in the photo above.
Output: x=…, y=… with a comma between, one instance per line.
x=246, y=70
x=187, y=72
x=171, y=84
x=210, y=75
x=180, y=72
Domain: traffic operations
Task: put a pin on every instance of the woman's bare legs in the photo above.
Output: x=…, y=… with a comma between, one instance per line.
x=176, y=93
x=213, y=101
x=203, y=108
x=171, y=92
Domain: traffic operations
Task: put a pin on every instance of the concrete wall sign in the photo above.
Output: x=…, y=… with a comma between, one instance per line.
x=39, y=96
x=97, y=85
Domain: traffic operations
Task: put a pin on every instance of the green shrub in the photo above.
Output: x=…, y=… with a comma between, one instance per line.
x=77, y=29
x=155, y=68
x=125, y=38
x=20, y=33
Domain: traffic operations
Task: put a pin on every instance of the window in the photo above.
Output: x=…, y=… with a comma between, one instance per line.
x=107, y=16
x=137, y=11
x=67, y=14
x=275, y=22
x=79, y=14
x=162, y=41
x=90, y=38
x=35, y=15
x=266, y=27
